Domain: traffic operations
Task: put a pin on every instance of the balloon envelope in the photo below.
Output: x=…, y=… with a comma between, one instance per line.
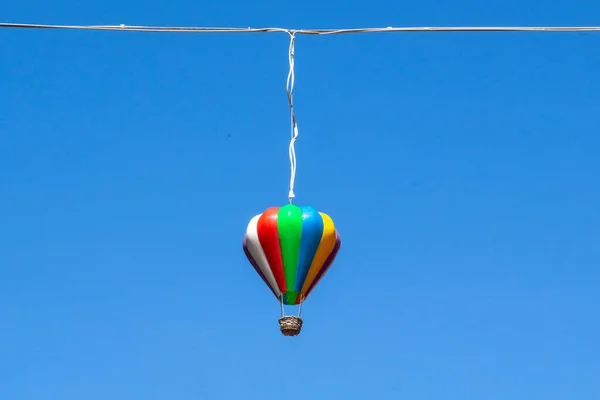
x=291, y=249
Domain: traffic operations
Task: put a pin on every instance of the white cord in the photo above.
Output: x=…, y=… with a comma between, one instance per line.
x=294, y=132
x=292, y=33
x=123, y=27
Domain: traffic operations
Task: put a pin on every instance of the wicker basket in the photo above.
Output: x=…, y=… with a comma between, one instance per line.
x=290, y=326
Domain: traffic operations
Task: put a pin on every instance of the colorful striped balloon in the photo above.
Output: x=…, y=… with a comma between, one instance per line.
x=291, y=249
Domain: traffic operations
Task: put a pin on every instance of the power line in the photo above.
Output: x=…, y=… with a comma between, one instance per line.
x=389, y=29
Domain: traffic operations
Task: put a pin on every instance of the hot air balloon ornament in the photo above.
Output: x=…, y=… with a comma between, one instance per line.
x=291, y=248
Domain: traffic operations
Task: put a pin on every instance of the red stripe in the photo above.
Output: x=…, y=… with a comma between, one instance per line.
x=268, y=236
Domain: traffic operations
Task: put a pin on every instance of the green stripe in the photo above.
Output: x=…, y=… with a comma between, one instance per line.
x=290, y=298
x=289, y=227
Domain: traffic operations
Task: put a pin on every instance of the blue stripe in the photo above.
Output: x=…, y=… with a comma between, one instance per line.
x=312, y=231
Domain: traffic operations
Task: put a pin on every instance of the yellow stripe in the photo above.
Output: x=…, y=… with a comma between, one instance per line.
x=325, y=248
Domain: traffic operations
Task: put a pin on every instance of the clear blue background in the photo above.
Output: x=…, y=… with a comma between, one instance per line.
x=461, y=169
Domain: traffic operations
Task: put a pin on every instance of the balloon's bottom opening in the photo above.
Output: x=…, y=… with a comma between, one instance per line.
x=290, y=325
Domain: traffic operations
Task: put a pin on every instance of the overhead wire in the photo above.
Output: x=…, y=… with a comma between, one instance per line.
x=389, y=29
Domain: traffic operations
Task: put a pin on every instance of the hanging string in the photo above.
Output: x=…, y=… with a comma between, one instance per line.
x=294, y=131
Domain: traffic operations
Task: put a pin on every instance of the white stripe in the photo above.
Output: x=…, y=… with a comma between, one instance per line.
x=257, y=252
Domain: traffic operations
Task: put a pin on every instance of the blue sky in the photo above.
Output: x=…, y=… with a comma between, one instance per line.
x=461, y=171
